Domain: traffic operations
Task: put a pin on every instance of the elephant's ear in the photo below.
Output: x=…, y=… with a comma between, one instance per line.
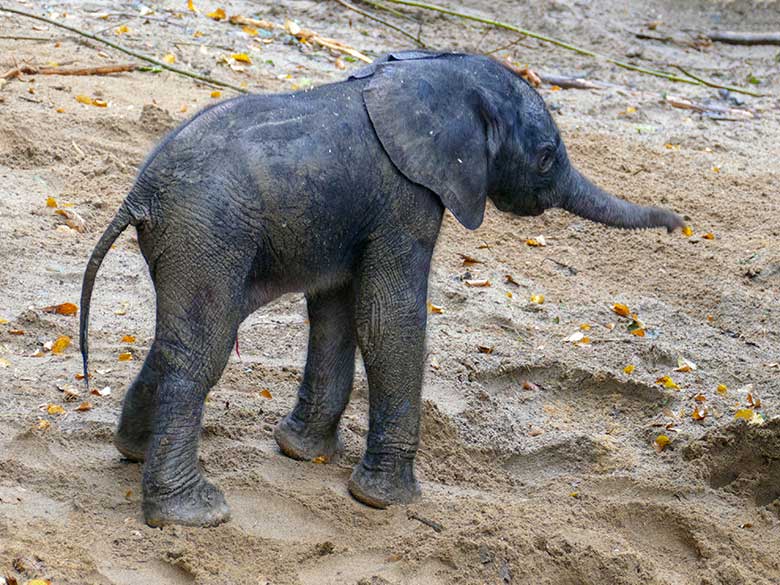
x=431, y=122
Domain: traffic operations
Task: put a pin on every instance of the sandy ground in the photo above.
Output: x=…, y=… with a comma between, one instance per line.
x=555, y=481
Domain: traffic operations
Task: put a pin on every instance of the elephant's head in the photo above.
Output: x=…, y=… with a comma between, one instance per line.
x=468, y=128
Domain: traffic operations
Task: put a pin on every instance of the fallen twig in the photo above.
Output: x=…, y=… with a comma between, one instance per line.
x=104, y=70
x=127, y=51
x=725, y=112
x=24, y=38
x=383, y=22
x=302, y=34
x=435, y=525
x=571, y=82
x=716, y=85
x=745, y=38
x=560, y=43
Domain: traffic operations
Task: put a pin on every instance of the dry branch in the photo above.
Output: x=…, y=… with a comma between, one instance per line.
x=560, y=43
x=383, y=22
x=571, y=82
x=103, y=70
x=745, y=38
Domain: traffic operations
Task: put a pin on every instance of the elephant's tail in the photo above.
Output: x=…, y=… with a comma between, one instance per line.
x=115, y=228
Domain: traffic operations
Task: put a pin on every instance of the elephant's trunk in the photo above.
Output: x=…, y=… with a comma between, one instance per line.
x=585, y=199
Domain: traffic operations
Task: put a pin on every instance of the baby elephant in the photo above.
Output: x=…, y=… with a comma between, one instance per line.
x=337, y=192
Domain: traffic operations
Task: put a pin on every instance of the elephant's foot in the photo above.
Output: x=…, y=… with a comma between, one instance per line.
x=298, y=441
x=202, y=504
x=131, y=446
x=380, y=486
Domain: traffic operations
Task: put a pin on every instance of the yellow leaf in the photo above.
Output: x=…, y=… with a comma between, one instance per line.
x=197, y=34
x=687, y=231
x=639, y=332
x=84, y=99
x=128, y=339
x=715, y=169
x=60, y=344
x=436, y=309
x=99, y=103
x=629, y=369
x=699, y=413
x=191, y=6
x=55, y=409
x=218, y=14
x=320, y=460
x=630, y=110
x=216, y=94
x=555, y=88
x=660, y=443
x=170, y=58
x=508, y=295
x=84, y=406
x=722, y=389
x=744, y=414
x=122, y=29
x=242, y=57
x=125, y=356
x=43, y=424
x=266, y=393
x=621, y=309
x=51, y=202
x=252, y=32
x=534, y=243
x=700, y=397
x=667, y=382
x=61, y=309
x=60, y=110
x=709, y=236
x=585, y=326
x=537, y=299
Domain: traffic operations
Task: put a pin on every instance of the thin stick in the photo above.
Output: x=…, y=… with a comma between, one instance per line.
x=103, y=70
x=23, y=38
x=383, y=22
x=558, y=43
x=718, y=85
x=127, y=51
x=430, y=523
x=742, y=38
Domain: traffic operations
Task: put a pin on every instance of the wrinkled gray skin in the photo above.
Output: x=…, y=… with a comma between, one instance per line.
x=337, y=192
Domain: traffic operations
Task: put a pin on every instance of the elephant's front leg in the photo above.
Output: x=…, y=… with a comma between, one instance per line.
x=391, y=319
x=311, y=429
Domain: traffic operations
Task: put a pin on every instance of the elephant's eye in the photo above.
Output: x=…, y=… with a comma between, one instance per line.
x=546, y=159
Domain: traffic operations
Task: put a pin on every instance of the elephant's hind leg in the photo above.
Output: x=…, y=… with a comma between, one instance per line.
x=138, y=409
x=197, y=320
x=311, y=429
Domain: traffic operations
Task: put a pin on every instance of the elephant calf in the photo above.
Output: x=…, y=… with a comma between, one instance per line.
x=338, y=192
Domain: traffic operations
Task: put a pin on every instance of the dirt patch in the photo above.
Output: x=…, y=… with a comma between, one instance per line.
x=537, y=456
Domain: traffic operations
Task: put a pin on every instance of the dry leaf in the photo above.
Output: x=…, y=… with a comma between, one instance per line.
x=537, y=242
x=621, y=309
x=266, y=393
x=122, y=310
x=667, y=382
x=699, y=413
x=537, y=299
x=72, y=219
x=339, y=63
x=700, y=397
x=292, y=28
x=708, y=236
x=485, y=349
x=530, y=76
x=55, y=409
x=468, y=260
x=121, y=30
x=509, y=280
x=61, y=309
x=128, y=339
x=170, y=58
x=687, y=231
x=749, y=415
x=191, y=6
x=51, y=202
x=218, y=14
x=660, y=443
x=216, y=94
x=60, y=344
x=252, y=32
x=722, y=389
x=320, y=460
x=242, y=58
x=477, y=283
x=684, y=365
x=629, y=369
x=125, y=356
x=530, y=386
x=584, y=327
x=753, y=401
x=638, y=331
x=102, y=393
x=84, y=406
x=436, y=309
x=43, y=424
x=508, y=295
x=16, y=331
